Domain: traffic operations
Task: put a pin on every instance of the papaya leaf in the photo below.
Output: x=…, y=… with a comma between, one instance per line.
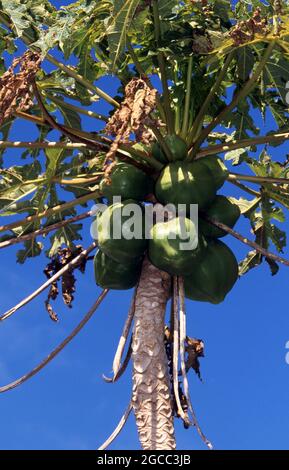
x=14, y=184
x=276, y=74
x=245, y=62
x=31, y=249
x=71, y=117
x=65, y=236
x=25, y=15
x=246, y=206
x=251, y=261
x=236, y=156
x=119, y=25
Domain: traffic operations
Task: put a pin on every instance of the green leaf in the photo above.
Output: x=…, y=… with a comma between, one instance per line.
x=119, y=26
x=236, y=155
x=246, y=206
x=25, y=14
x=13, y=184
x=31, y=249
x=65, y=236
x=245, y=62
x=276, y=74
x=71, y=117
x=252, y=260
x=5, y=131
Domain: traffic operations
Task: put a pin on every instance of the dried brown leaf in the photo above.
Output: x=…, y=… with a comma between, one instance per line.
x=133, y=116
x=194, y=349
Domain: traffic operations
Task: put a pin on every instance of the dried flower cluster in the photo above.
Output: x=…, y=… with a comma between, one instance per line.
x=133, y=115
x=245, y=31
x=15, y=93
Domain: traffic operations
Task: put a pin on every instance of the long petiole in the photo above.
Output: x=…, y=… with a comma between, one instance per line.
x=162, y=67
x=188, y=99
x=202, y=113
x=241, y=94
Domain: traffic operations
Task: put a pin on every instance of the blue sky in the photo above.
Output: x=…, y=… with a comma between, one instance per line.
x=243, y=402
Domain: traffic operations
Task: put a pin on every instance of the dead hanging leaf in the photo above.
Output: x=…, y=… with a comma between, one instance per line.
x=15, y=92
x=133, y=116
x=194, y=349
x=68, y=280
x=168, y=339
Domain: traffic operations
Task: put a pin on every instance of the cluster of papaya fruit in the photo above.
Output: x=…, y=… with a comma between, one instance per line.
x=209, y=267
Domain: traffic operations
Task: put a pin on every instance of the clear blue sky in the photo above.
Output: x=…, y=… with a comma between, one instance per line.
x=243, y=402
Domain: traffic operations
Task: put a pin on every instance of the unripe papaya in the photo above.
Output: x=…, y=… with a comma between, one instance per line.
x=158, y=154
x=186, y=183
x=112, y=275
x=121, y=232
x=126, y=181
x=222, y=210
x=177, y=146
x=214, y=276
x=174, y=246
x=217, y=169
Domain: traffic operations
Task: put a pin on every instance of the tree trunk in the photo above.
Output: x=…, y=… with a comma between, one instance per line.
x=151, y=397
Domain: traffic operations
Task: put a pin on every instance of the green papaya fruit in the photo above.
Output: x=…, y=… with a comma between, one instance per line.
x=177, y=146
x=126, y=181
x=116, y=227
x=112, y=275
x=158, y=154
x=217, y=169
x=186, y=183
x=222, y=210
x=214, y=276
x=174, y=246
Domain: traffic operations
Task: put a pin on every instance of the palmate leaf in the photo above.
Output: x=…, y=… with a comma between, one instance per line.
x=25, y=15
x=251, y=261
x=71, y=117
x=242, y=121
x=245, y=62
x=14, y=184
x=263, y=219
x=7, y=45
x=65, y=236
x=119, y=25
x=276, y=74
x=31, y=249
x=4, y=134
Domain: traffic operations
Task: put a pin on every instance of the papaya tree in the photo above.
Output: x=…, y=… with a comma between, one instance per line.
x=194, y=78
